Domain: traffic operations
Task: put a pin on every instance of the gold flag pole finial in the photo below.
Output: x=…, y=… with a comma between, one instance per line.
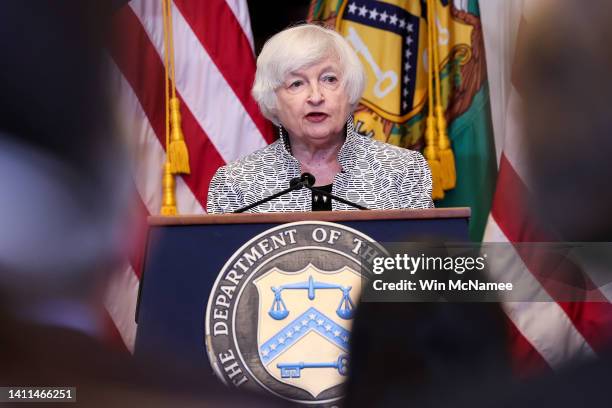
x=168, y=194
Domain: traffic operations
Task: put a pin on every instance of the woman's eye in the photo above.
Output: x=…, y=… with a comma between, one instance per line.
x=295, y=84
x=330, y=79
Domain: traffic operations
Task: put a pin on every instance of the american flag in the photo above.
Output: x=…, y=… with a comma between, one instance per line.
x=215, y=67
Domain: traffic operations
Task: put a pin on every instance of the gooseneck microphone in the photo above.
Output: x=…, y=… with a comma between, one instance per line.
x=305, y=180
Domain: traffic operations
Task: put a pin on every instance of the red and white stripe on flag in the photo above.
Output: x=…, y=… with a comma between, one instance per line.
x=544, y=334
x=215, y=67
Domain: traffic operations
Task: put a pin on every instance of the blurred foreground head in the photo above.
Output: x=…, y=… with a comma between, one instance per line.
x=566, y=81
x=62, y=169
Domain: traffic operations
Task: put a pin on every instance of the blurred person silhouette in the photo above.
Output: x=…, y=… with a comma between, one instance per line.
x=62, y=170
x=568, y=117
x=64, y=216
x=425, y=354
x=568, y=126
x=426, y=351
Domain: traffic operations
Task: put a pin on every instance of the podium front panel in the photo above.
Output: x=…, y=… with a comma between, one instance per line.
x=183, y=261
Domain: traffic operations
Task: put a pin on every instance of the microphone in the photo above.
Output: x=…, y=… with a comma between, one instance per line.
x=305, y=180
x=308, y=180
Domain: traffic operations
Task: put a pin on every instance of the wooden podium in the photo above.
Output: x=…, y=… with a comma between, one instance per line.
x=185, y=254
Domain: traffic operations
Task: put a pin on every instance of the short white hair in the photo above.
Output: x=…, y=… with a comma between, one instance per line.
x=298, y=47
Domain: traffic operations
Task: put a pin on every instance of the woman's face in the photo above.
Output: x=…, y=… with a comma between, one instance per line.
x=312, y=103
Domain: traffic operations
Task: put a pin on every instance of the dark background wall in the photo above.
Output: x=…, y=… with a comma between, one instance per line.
x=268, y=17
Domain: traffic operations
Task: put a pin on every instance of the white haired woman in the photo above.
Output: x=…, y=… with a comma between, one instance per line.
x=308, y=82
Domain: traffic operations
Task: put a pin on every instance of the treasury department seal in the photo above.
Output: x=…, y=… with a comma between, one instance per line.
x=280, y=312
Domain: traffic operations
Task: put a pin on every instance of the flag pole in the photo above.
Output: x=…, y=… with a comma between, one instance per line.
x=430, y=130
x=177, y=155
x=168, y=183
x=445, y=153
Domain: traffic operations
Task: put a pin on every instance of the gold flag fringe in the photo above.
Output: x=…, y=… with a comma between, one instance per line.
x=444, y=157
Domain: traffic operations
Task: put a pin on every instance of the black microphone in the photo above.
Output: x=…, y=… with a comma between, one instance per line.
x=308, y=181
x=305, y=180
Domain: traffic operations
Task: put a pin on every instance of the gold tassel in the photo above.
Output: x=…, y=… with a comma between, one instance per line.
x=445, y=153
x=432, y=159
x=168, y=195
x=430, y=152
x=177, y=150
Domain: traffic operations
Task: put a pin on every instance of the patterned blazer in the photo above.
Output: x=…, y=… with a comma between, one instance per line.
x=374, y=174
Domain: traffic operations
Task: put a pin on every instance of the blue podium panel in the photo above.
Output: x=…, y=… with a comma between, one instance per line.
x=186, y=254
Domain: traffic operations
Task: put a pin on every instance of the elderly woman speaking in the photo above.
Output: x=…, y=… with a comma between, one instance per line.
x=308, y=82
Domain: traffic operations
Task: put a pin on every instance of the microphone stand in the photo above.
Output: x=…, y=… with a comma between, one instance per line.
x=294, y=184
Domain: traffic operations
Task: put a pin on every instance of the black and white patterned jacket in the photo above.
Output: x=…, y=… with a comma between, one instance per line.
x=374, y=174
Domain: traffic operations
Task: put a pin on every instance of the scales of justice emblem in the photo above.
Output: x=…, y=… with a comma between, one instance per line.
x=280, y=313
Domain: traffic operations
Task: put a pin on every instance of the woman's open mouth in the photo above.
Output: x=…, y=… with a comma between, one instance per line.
x=316, y=117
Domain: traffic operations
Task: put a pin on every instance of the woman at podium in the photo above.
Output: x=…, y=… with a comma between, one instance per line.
x=308, y=83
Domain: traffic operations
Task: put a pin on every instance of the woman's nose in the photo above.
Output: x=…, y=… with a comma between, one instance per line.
x=316, y=95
